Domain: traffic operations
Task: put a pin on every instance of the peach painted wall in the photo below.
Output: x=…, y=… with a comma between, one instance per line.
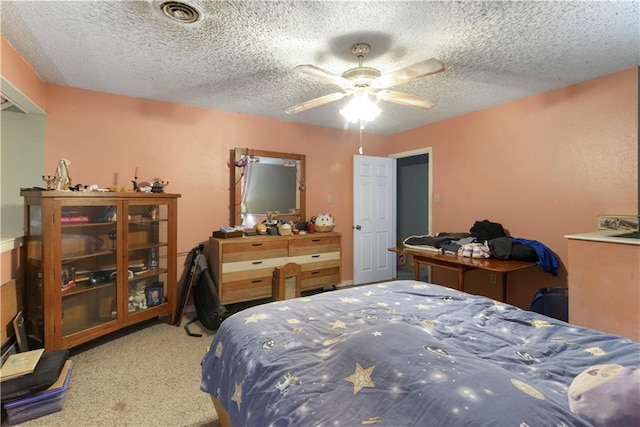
x=106, y=136
x=544, y=166
x=19, y=74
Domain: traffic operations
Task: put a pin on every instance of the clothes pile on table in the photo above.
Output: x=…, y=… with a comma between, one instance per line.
x=487, y=239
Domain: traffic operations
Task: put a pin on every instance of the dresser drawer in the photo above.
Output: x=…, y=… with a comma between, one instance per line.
x=317, y=278
x=313, y=245
x=253, y=250
x=246, y=289
x=252, y=264
x=317, y=260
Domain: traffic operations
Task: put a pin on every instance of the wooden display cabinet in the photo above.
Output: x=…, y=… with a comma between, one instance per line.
x=97, y=262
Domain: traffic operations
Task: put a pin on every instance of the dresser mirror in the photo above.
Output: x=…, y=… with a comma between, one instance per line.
x=265, y=182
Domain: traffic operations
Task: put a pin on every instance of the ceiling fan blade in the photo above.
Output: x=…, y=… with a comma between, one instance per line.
x=315, y=102
x=406, y=99
x=324, y=75
x=421, y=69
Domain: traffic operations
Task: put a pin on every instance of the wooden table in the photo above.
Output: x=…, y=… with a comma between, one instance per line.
x=463, y=264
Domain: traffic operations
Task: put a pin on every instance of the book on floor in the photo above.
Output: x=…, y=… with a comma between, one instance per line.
x=20, y=364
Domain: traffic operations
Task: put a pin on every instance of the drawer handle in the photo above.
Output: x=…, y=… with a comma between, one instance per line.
x=256, y=281
x=315, y=272
x=315, y=256
x=256, y=244
x=315, y=240
x=256, y=262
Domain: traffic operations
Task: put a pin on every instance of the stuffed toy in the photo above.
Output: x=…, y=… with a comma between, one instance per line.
x=324, y=222
x=607, y=395
x=284, y=228
x=261, y=228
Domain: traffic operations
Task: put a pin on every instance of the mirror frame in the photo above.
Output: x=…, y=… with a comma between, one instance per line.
x=236, y=181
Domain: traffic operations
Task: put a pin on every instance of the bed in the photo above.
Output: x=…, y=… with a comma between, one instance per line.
x=406, y=353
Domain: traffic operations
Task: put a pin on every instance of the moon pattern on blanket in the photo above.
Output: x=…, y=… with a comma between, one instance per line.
x=526, y=388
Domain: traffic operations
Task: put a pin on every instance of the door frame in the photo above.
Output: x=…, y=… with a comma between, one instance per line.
x=417, y=152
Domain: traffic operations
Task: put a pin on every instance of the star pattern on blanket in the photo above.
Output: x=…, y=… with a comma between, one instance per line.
x=339, y=324
x=237, y=395
x=540, y=323
x=361, y=378
x=251, y=319
x=595, y=351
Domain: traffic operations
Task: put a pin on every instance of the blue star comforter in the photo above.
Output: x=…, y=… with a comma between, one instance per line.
x=401, y=353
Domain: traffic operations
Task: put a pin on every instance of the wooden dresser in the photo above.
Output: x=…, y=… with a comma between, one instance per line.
x=243, y=267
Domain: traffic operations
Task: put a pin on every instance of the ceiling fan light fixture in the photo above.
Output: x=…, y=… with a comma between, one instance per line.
x=360, y=109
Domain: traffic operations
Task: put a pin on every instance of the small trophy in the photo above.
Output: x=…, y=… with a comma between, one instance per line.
x=50, y=180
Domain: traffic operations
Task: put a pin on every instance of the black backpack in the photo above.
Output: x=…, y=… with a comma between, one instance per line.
x=197, y=281
x=210, y=311
x=552, y=301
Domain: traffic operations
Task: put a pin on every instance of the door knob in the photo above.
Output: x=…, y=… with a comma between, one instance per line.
x=357, y=227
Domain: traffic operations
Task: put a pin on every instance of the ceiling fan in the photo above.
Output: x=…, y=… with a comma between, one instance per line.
x=369, y=81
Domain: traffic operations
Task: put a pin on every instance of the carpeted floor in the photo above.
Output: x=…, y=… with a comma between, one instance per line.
x=146, y=375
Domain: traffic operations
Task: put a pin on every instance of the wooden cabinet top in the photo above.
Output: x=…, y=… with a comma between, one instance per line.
x=270, y=238
x=96, y=194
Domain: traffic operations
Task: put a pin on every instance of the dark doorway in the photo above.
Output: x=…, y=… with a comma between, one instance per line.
x=412, y=213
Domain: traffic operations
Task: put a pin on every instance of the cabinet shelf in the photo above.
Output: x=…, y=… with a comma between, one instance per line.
x=87, y=224
x=93, y=254
x=86, y=276
x=142, y=246
x=146, y=274
x=79, y=327
x=146, y=222
x=80, y=288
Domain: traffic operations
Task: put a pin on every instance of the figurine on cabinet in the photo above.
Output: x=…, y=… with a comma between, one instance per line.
x=138, y=296
x=63, y=180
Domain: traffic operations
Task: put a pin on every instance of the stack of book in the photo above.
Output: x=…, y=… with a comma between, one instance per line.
x=40, y=404
x=27, y=391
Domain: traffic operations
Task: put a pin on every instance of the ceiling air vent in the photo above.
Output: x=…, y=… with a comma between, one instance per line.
x=180, y=12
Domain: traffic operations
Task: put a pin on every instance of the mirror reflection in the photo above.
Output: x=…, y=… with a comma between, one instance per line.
x=267, y=183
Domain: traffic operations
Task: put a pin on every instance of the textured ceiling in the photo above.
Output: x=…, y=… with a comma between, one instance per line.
x=240, y=56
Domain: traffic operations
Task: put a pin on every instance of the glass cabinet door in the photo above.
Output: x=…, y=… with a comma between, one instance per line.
x=147, y=239
x=88, y=273
x=33, y=271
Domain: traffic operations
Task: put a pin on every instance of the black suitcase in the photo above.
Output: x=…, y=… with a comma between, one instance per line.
x=552, y=301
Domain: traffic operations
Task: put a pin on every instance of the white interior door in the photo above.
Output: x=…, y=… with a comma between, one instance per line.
x=374, y=204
